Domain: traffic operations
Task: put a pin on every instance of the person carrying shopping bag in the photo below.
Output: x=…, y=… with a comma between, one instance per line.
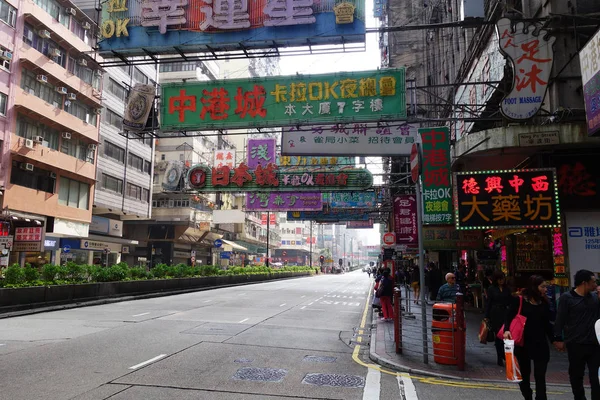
x=534, y=306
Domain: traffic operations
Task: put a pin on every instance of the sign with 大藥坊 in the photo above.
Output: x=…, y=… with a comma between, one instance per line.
x=507, y=199
x=436, y=177
x=277, y=101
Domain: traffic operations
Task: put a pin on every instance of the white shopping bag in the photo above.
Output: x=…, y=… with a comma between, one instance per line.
x=513, y=372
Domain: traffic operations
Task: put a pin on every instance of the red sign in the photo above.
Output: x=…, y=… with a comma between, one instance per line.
x=414, y=163
x=197, y=177
x=28, y=234
x=263, y=219
x=389, y=238
x=405, y=220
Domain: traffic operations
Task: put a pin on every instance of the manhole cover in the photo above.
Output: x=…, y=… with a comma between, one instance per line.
x=260, y=374
x=320, y=359
x=334, y=380
x=243, y=360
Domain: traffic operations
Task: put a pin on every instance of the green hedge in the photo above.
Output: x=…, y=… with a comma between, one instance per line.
x=72, y=273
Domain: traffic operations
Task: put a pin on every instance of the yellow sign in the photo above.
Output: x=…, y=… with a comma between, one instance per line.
x=344, y=13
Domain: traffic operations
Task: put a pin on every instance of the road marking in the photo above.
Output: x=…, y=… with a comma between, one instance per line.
x=302, y=297
x=2, y=344
x=148, y=361
x=303, y=307
x=310, y=304
x=372, y=385
x=244, y=320
x=206, y=301
x=241, y=294
x=407, y=386
x=139, y=315
x=281, y=305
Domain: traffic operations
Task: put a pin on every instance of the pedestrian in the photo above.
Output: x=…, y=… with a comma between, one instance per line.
x=496, y=307
x=386, y=295
x=448, y=290
x=415, y=283
x=435, y=280
x=578, y=311
x=534, y=306
x=461, y=276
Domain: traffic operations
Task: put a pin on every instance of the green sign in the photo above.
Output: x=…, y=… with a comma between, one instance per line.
x=437, y=186
x=373, y=253
x=285, y=100
x=271, y=179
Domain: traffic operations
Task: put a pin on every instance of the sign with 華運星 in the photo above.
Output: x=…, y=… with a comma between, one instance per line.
x=260, y=152
x=506, y=199
x=284, y=201
x=310, y=161
x=367, y=139
x=590, y=77
x=271, y=179
x=437, y=186
x=583, y=239
x=359, y=224
x=405, y=220
x=350, y=199
x=175, y=26
x=224, y=157
x=328, y=215
x=530, y=53
x=277, y=101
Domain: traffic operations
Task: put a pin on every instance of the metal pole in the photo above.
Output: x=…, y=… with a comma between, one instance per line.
x=398, y=320
x=422, y=270
x=310, y=240
x=268, y=234
x=459, y=337
x=344, y=258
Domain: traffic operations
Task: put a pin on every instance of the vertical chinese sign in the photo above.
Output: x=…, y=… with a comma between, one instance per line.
x=437, y=186
x=589, y=59
x=260, y=152
x=405, y=220
x=272, y=219
x=224, y=158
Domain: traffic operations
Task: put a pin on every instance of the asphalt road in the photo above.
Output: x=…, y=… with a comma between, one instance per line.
x=294, y=339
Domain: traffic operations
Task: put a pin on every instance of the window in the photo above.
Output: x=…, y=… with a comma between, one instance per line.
x=112, y=183
x=73, y=193
x=5, y=64
x=55, y=10
x=83, y=73
x=77, y=148
x=38, y=179
x=82, y=111
x=135, y=162
x=162, y=157
x=3, y=101
x=139, y=76
x=29, y=129
x=148, y=141
x=8, y=14
x=46, y=92
x=147, y=167
x=176, y=67
x=44, y=46
x=145, y=195
x=116, y=89
x=115, y=152
x=136, y=192
x=124, y=68
x=112, y=118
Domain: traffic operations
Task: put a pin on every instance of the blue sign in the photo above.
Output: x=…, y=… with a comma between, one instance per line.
x=225, y=255
x=66, y=249
x=218, y=243
x=351, y=199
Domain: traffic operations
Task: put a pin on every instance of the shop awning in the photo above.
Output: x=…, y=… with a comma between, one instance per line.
x=234, y=245
x=252, y=248
x=111, y=239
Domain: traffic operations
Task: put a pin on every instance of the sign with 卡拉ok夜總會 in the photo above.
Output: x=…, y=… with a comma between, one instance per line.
x=350, y=200
x=277, y=101
x=367, y=139
x=437, y=186
x=328, y=215
x=506, y=199
x=202, y=178
x=260, y=152
x=590, y=77
x=530, y=52
x=284, y=202
x=178, y=26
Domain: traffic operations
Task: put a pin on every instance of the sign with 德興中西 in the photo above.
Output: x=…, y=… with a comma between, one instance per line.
x=506, y=199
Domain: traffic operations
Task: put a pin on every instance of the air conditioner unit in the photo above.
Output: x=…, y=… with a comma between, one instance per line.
x=62, y=90
x=38, y=139
x=52, y=175
x=42, y=78
x=44, y=34
x=66, y=135
x=6, y=55
x=26, y=166
x=71, y=96
x=86, y=26
x=92, y=147
x=71, y=11
x=82, y=62
x=53, y=53
x=29, y=143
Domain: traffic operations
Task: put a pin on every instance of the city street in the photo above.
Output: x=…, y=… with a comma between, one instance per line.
x=279, y=340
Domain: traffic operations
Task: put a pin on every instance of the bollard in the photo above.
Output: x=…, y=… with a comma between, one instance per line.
x=459, y=338
x=397, y=320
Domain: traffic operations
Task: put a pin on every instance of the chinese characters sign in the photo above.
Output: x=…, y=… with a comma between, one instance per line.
x=284, y=201
x=405, y=220
x=28, y=234
x=437, y=187
x=272, y=219
x=578, y=181
x=272, y=179
x=531, y=55
x=448, y=238
x=308, y=161
x=589, y=59
x=284, y=100
x=260, y=152
x=328, y=215
x=351, y=199
x=168, y=26
x=349, y=139
x=507, y=199
x=359, y=224
x=224, y=157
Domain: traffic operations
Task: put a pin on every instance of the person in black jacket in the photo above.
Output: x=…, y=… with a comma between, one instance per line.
x=538, y=330
x=578, y=311
x=435, y=280
x=386, y=296
x=496, y=307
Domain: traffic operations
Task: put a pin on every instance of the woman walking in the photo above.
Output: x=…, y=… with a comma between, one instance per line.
x=386, y=296
x=496, y=307
x=538, y=330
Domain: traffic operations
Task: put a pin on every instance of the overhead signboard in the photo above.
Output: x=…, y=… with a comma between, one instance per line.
x=277, y=101
x=271, y=179
x=138, y=106
x=260, y=152
x=310, y=161
x=437, y=186
x=507, y=199
x=350, y=199
x=175, y=26
x=328, y=215
x=361, y=139
x=284, y=202
x=583, y=239
x=359, y=224
x=449, y=238
x=224, y=157
x=405, y=220
x=590, y=77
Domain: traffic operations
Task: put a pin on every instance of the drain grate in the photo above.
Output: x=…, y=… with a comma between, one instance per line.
x=320, y=359
x=260, y=374
x=334, y=380
x=243, y=360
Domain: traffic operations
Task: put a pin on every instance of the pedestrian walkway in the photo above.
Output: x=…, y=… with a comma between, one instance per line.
x=480, y=358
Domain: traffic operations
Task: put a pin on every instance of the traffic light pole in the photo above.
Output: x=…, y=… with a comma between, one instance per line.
x=310, y=240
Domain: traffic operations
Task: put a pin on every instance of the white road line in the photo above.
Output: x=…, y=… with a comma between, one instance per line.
x=281, y=305
x=206, y=301
x=310, y=304
x=244, y=320
x=148, y=361
x=241, y=294
x=302, y=297
x=372, y=385
x=2, y=344
x=410, y=393
x=303, y=307
x=139, y=315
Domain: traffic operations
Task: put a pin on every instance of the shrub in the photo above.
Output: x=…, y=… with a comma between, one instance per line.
x=14, y=275
x=49, y=272
x=74, y=272
x=139, y=273
x=30, y=274
x=160, y=270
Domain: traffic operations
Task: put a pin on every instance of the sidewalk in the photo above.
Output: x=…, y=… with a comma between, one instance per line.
x=480, y=358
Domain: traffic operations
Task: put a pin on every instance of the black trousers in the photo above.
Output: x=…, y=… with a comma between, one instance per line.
x=581, y=355
x=499, y=344
x=540, y=364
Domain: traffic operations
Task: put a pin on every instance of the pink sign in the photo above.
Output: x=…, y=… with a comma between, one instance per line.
x=405, y=220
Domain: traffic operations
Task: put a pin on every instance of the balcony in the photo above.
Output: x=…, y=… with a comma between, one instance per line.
x=37, y=108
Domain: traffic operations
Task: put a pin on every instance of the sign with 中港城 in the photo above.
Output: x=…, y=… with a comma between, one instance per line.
x=277, y=101
x=507, y=199
x=436, y=176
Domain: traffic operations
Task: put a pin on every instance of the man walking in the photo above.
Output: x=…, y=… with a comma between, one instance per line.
x=578, y=311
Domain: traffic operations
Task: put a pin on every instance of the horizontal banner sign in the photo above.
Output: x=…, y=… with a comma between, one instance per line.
x=284, y=202
x=308, y=161
x=350, y=200
x=359, y=224
x=328, y=216
x=361, y=139
x=202, y=178
x=277, y=101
